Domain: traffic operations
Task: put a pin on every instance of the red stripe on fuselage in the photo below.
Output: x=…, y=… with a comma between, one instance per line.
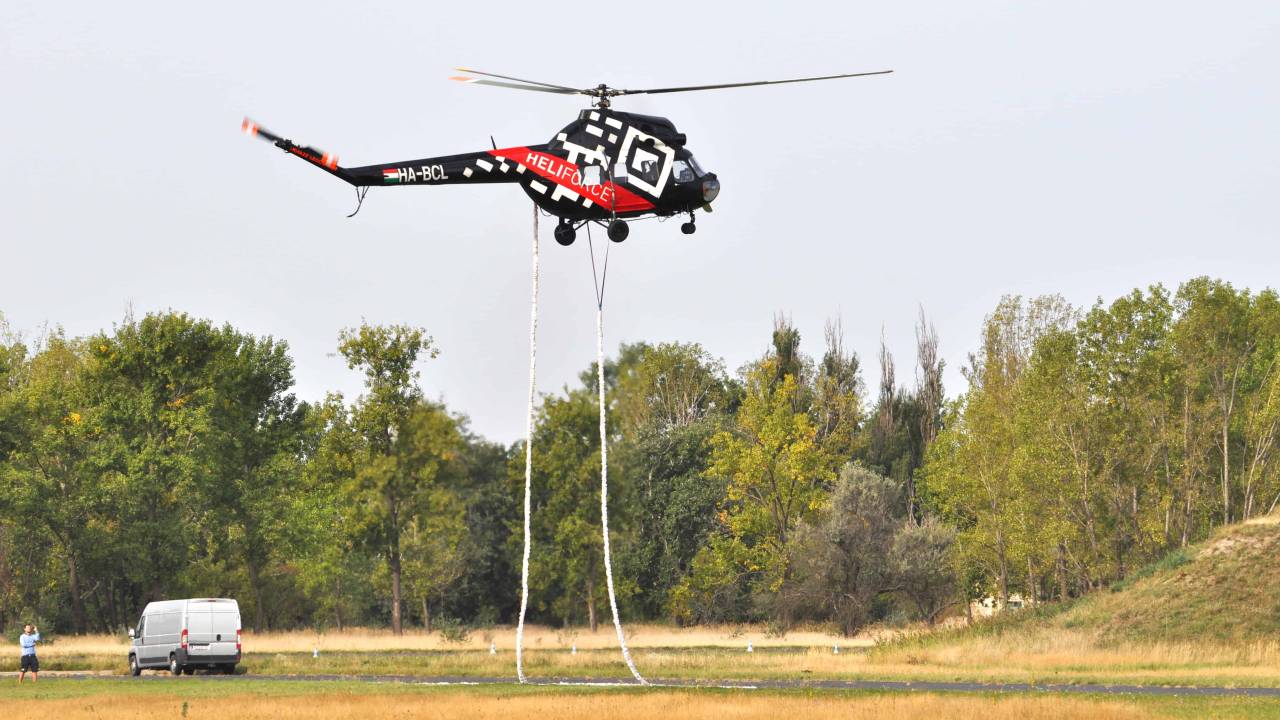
x=561, y=172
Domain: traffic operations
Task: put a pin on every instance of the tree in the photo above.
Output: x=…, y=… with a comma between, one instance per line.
x=1213, y=335
x=921, y=566
x=971, y=474
x=254, y=454
x=775, y=467
x=50, y=478
x=152, y=384
x=905, y=422
x=776, y=473
x=1261, y=426
x=837, y=404
x=483, y=591
x=434, y=550
x=842, y=558
x=320, y=534
x=671, y=398
x=566, y=574
x=403, y=444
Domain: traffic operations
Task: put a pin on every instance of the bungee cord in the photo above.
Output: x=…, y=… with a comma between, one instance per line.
x=528, y=453
x=599, y=282
x=604, y=454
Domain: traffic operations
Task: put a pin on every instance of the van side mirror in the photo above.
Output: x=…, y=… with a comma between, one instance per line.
x=130, y=632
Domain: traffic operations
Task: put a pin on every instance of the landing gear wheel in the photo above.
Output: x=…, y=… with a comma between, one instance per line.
x=565, y=234
x=688, y=228
x=618, y=231
x=174, y=667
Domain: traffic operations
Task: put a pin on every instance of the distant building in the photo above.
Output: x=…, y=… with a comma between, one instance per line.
x=988, y=606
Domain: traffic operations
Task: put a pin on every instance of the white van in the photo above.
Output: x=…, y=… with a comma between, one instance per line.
x=182, y=635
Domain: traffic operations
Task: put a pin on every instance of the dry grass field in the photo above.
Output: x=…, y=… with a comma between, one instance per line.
x=285, y=700
x=1064, y=655
x=247, y=698
x=536, y=637
x=577, y=707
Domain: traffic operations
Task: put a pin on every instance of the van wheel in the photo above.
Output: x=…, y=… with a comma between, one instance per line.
x=134, y=668
x=174, y=667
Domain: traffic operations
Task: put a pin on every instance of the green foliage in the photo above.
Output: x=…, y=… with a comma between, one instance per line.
x=402, y=452
x=170, y=457
x=453, y=630
x=841, y=560
x=1087, y=448
x=922, y=567
x=775, y=466
x=672, y=399
x=717, y=588
x=567, y=570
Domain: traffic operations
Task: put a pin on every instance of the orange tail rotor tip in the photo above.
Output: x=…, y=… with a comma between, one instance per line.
x=249, y=127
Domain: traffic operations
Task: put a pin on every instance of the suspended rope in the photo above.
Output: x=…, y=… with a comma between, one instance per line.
x=604, y=452
x=528, y=454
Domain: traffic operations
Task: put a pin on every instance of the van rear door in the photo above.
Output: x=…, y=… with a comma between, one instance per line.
x=199, y=630
x=211, y=628
x=225, y=620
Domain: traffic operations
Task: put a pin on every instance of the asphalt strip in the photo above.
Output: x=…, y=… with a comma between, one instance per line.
x=882, y=685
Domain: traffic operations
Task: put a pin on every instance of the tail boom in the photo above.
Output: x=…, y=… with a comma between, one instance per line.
x=464, y=168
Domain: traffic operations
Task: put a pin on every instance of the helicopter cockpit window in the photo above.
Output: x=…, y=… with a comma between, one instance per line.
x=592, y=175
x=648, y=171
x=697, y=169
x=682, y=171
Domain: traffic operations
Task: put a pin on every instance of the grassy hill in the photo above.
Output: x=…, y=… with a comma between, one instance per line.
x=1223, y=591
x=1205, y=615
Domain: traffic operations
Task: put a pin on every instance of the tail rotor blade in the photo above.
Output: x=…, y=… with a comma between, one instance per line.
x=253, y=129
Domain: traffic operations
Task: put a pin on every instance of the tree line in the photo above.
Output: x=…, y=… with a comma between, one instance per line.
x=170, y=457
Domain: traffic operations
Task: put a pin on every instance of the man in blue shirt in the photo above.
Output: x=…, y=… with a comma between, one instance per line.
x=30, y=636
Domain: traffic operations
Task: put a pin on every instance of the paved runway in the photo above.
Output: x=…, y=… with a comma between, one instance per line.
x=883, y=685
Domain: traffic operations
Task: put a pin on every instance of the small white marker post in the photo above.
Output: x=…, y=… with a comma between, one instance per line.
x=573, y=650
x=835, y=649
x=493, y=649
x=315, y=652
x=749, y=646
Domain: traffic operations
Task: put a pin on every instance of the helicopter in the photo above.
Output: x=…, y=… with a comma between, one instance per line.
x=605, y=167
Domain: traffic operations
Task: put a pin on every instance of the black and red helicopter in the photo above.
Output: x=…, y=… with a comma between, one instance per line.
x=605, y=167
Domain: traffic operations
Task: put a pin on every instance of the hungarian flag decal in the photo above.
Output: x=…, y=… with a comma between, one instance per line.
x=391, y=175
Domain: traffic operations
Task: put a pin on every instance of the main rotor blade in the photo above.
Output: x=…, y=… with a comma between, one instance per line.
x=507, y=77
x=514, y=86
x=690, y=88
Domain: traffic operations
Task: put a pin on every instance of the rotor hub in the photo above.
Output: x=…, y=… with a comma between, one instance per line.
x=600, y=95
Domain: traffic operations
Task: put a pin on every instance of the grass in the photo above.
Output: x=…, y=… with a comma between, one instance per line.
x=1207, y=614
x=535, y=637
x=1008, y=658
x=183, y=698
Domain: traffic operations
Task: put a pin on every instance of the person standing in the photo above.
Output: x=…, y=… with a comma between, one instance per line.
x=30, y=636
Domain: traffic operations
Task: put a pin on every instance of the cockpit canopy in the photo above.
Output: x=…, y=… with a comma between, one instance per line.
x=687, y=169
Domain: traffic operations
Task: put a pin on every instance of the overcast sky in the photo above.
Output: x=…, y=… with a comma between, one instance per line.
x=1079, y=148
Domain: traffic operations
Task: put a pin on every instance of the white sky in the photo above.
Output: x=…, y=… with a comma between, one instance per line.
x=1082, y=148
